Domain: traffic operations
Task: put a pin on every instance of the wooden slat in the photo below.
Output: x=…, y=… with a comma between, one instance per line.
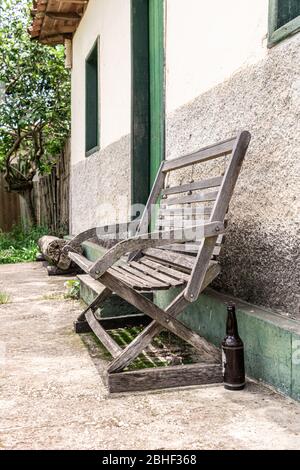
x=187, y=232
x=145, y=277
x=185, y=211
x=184, y=219
x=154, y=195
x=155, y=274
x=206, y=197
x=102, y=335
x=112, y=323
x=172, y=224
x=59, y=16
x=181, y=276
x=10, y=207
x=81, y=261
x=189, y=248
x=129, y=279
x=183, y=261
x=220, y=240
x=197, y=185
x=48, y=15
x=203, y=155
x=102, y=296
x=165, y=377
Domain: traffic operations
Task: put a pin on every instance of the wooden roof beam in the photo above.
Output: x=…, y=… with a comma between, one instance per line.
x=59, y=30
x=79, y=2
x=57, y=15
x=56, y=36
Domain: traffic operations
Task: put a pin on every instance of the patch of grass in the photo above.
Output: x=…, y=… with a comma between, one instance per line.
x=73, y=289
x=53, y=297
x=4, y=298
x=20, y=245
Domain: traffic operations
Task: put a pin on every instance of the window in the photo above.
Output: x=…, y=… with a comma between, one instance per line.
x=92, y=101
x=284, y=19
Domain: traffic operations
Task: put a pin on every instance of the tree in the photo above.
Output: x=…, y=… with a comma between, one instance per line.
x=34, y=102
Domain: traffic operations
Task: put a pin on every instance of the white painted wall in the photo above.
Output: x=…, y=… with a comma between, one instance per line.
x=111, y=21
x=207, y=41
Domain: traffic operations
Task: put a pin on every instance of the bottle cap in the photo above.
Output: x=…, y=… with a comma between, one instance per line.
x=231, y=306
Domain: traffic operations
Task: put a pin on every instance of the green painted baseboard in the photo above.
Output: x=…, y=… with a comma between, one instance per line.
x=272, y=342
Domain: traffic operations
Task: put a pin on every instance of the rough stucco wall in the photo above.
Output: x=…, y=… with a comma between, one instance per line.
x=110, y=20
x=100, y=183
x=100, y=187
x=261, y=260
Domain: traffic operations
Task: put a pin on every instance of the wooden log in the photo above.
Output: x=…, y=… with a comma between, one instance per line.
x=165, y=377
x=55, y=271
x=52, y=249
x=40, y=257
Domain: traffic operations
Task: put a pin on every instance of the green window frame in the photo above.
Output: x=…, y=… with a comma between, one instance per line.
x=92, y=100
x=284, y=20
x=148, y=95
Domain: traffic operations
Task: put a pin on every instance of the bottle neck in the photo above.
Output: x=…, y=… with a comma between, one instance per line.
x=231, y=326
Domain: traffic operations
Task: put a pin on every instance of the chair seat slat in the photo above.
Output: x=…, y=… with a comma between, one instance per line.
x=156, y=274
x=162, y=268
x=129, y=279
x=180, y=260
x=144, y=276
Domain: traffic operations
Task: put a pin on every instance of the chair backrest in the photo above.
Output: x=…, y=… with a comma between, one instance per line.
x=200, y=200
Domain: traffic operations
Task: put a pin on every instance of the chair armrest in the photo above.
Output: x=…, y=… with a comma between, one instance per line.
x=101, y=233
x=153, y=240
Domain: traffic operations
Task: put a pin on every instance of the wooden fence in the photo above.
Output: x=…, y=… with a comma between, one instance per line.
x=10, y=213
x=51, y=195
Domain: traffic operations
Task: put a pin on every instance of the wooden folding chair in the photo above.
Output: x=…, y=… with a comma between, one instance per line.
x=172, y=256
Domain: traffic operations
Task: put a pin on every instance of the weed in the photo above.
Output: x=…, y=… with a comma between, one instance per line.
x=20, y=245
x=73, y=289
x=4, y=298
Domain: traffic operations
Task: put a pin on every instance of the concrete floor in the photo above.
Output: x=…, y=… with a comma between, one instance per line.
x=52, y=395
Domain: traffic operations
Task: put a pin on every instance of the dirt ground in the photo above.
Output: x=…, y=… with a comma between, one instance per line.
x=52, y=395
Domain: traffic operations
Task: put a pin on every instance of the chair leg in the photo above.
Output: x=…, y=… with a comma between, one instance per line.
x=154, y=328
x=143, y=339
x=81, y=325
x=166, y=319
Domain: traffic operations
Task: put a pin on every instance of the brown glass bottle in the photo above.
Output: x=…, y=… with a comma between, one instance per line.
x=233, y=354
